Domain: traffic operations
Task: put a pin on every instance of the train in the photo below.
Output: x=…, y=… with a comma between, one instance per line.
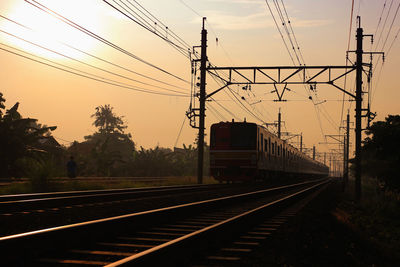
x=245, y=151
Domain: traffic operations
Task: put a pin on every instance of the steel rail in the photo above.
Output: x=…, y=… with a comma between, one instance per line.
x=72, y=234
x=148, y=256
x=13, y=203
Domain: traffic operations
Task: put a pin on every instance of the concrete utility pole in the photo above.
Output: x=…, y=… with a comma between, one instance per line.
x=313, y=152
x=346, y=142
x=346, y=170
x=359, y=69
x=279, y=124
x=202, y=99
x=301, y=142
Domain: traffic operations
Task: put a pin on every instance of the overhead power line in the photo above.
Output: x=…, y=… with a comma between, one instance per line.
x=79, y=61
x=128, y=12
x=117, y=84
x=102, y=59
x=97, y=37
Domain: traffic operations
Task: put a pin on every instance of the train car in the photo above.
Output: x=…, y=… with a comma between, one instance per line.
x=243, y=151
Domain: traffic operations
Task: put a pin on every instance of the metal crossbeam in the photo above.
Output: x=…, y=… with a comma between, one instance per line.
x=283, y=75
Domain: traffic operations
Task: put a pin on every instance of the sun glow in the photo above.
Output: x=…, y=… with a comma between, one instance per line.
x=45, y=36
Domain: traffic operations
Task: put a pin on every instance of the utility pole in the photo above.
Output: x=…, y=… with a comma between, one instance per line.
x=202, y=100
x=279, y=124
x=346, y=152
x=359, y=69
x=301, y=142
x=313, y=152
x=347, y=148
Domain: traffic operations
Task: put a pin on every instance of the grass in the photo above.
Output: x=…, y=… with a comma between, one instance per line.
x=375, y=217
x=57, y=185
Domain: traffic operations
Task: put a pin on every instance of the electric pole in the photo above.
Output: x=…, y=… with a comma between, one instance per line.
x=347, y=148
x=346, y=152
x=313, y=152
x=301, y=142
x=279, y=124
x=202, y=100
x=359, y=53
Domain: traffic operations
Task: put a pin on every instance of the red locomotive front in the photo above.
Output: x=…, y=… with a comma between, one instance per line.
x=233, y=151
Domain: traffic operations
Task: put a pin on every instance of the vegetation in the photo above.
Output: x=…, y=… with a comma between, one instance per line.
x=29, y=150
x=381, y=157
x=111, y=152
x=376, y=217
x=21, y=142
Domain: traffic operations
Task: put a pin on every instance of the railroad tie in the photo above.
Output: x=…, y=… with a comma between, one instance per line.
x=160, y=233
x=237, y=249
x=128, y=245
x=252, y=237
x=223, y=258
x=243, y=243
x=69, y=261
x=145, y=239
x=102, y=252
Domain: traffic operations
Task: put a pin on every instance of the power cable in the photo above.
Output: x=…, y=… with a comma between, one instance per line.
x=284, y=41
x=88, y=77
x=79, y=61
x=101, y=59
x=97, y=37
x=180, y=131
x=183, y=51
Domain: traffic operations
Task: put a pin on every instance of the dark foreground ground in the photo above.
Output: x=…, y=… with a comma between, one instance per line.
x=315, y=237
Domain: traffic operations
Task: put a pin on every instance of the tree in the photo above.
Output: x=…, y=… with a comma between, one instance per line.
x=107, y=151
x=107, y=121
x=381, y=157
x=18, y=140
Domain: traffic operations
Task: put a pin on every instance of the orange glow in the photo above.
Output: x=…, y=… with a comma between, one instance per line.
x=49, y=32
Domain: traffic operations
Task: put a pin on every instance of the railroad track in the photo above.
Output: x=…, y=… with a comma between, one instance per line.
x=23, y=202
x=150, y=237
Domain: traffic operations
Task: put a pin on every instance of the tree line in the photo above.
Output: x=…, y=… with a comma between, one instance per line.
x=381, y=152
x=27, y=145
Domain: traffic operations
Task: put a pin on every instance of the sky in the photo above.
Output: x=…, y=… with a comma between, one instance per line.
x=154, y=96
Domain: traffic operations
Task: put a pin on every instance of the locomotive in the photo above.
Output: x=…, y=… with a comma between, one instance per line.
x=243, y=151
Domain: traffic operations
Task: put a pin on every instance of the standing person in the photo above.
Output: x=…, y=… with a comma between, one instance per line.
x=71, y=167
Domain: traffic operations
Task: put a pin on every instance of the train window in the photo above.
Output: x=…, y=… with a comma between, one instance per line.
x=273, y=148
x=266, y=145
x=279, y=150
x=269, y=145
x=262, y=142
x=219, y=136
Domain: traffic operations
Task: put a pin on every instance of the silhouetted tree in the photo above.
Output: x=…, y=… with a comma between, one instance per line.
x=381, y=157
x=18, y=140
x=107, y=121
x=107, y=151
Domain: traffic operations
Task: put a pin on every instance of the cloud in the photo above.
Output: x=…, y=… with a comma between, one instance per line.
x=221, y=20
x=260, y=20
x=252, y=14
x=246, y=2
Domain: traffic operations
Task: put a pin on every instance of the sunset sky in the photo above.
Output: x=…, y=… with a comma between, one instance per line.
x=247, y=36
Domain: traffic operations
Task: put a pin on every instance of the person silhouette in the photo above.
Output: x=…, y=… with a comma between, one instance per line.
x=71, y=168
